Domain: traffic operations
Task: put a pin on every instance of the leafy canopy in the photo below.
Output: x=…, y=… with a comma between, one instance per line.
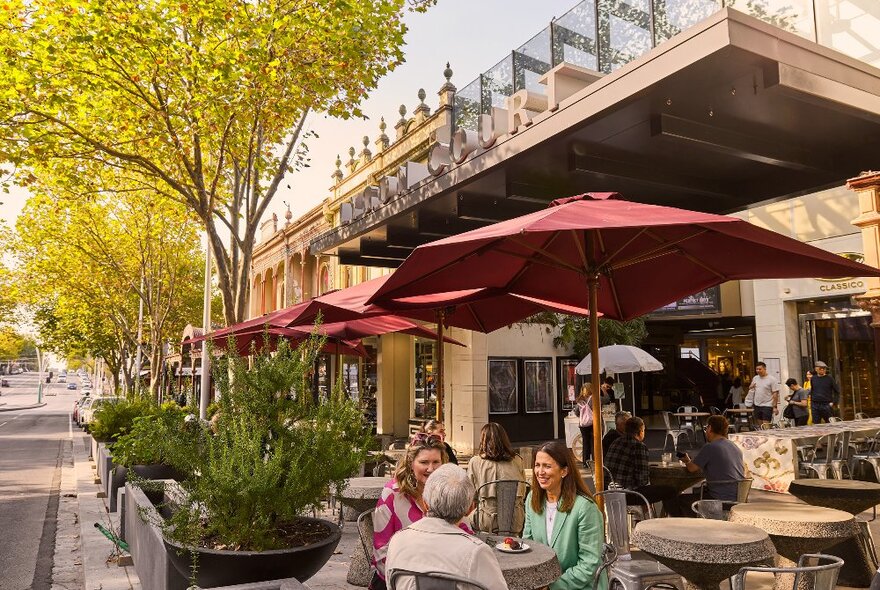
x=201, y=101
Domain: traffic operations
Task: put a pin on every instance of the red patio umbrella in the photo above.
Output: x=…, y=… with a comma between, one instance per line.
x=622, y=258
x=260, y=337
x=478, y=309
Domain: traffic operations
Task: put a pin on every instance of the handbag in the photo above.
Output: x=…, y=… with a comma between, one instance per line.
x=788, y=412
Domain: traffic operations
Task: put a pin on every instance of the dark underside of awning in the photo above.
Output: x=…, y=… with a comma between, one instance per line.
x=731, y=113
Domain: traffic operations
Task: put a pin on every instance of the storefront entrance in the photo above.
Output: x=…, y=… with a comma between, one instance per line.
x=839, y=334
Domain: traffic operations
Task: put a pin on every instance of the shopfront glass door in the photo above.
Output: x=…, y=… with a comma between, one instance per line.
x=845, y=341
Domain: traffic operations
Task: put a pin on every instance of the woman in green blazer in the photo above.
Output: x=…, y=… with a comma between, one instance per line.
x=561, y=513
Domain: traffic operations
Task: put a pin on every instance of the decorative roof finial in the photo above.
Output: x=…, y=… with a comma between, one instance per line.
x=447, y=91
x=447, y=73
x=382, y=141
x=337, y=174
x=366, y=154
x=422, y=107
x=352, y=163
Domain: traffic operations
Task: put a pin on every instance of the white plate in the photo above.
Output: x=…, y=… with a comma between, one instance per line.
x=502, y=547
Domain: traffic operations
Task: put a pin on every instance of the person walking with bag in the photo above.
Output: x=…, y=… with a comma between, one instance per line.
x=585, y=421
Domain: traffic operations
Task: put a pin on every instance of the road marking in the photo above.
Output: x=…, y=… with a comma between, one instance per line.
x=70, y=425
x=5, y=423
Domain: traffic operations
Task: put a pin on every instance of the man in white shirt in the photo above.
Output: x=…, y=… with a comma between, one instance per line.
x=436, y=544
x=763, y=395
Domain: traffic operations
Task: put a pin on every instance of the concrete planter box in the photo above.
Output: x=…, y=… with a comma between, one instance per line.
x=119, y=476
x=145, y=542
x=93, y=448
x=105, y=467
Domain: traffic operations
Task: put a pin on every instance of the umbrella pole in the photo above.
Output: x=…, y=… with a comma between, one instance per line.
x=439, y=384
x=632, y=381
x=599, y=475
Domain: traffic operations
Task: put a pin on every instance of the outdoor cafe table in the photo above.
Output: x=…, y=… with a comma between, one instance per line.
x=361, y=494
x=674, y=475
x=696, y=417
x=703, y=555
x=536, y=568
x=853, y=496
x=771, y=455
x=795, y=529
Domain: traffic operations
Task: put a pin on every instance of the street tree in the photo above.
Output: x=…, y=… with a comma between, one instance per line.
x=86, y=264
x=203, y=102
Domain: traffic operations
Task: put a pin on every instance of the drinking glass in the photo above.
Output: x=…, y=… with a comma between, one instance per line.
x=666, y=459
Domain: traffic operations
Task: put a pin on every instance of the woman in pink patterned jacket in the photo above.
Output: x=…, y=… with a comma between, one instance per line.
x=401, y=503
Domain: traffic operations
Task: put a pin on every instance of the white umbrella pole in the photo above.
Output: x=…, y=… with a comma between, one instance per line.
x=632, y=380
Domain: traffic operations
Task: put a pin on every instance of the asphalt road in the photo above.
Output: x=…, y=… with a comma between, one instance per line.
x=30, y=470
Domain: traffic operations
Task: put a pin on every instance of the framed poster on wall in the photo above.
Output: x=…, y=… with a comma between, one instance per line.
x=568, y=390
x=503, y=385
x=538, y=386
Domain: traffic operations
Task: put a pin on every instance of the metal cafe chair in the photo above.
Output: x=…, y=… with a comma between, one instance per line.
x=626, y=572
x=673, y=433
x=505, y=492
x=690, y=423
x=834, y=419
x=609, y=556
x=841, y=455
x=432, y=580
x=811, y=461
x=609, y=477
x=871, y=456
x=743, y=488
x=709, y=509
x=861, y=416
x=383, y=469
x=740, y=421
x=814, y=570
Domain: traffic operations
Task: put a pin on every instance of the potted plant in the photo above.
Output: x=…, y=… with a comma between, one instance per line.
x=266, y=460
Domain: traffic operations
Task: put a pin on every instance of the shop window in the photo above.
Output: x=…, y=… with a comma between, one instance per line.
x=425, y=402
x=324, y=280
x=538, y=386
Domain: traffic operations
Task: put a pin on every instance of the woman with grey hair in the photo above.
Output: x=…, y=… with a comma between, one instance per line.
x=449, y=496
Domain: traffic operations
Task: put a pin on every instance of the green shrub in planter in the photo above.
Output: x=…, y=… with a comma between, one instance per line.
x=269, y=457
x=113, y=420
x=157, y=438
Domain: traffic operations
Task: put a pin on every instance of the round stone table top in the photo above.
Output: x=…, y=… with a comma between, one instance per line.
x=798, y=520
x=361, y=488
x=849, y=495
x=689, y=539
x=535, y=568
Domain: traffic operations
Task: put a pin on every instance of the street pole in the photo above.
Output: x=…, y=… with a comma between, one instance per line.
x=140, y=337
x=40, y=376
x=206, y=322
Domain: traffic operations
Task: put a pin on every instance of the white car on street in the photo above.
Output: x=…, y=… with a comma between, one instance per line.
x=87, y=413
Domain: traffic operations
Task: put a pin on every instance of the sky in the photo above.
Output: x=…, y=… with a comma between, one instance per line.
x=472, y=35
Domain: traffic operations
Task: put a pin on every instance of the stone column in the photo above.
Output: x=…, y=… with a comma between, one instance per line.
x=867, y=186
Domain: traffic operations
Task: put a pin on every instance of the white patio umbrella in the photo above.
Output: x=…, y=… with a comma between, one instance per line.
x=620, y=358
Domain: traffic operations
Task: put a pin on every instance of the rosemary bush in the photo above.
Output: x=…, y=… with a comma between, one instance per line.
x=160, y=437
x=113, y=420
x=271, y=455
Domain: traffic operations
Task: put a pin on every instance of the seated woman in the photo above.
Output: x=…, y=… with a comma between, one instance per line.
x=439, y=429
x=401, y=503
x=561, y=513
x=496, y=460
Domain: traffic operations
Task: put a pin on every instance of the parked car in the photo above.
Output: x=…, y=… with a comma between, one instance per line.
x=77, y=407
x=88, y=413
x=71, y=385
x=4, y=383
x=83, y=403
x=62, y=378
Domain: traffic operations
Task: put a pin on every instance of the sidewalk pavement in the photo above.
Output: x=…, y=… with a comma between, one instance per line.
x=96, y=554
x=8, y=408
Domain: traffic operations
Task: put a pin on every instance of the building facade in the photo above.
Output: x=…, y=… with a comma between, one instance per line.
x=684, y=103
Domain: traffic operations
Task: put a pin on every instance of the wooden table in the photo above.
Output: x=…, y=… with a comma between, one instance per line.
x=674, y=475
x=795, y=529
x=853, y=496
x=703, y=555
x=536, y=568
x=771, y=455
